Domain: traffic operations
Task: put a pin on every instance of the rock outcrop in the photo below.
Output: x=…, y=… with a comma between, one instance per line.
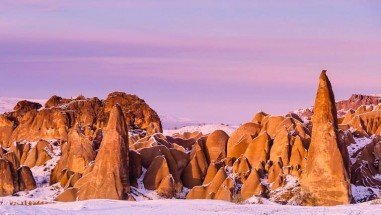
x=26, y=180
x=136, y=112
x=7, y=182
x=357, y=100
x=114, y=148
x=215, y=146
x=109, y=177
x=325, y=180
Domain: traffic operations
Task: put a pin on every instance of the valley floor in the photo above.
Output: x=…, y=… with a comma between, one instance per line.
x=184, y=207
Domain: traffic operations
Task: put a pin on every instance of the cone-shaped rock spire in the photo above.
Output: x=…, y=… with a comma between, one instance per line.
x=109, y=178
x=325, y=180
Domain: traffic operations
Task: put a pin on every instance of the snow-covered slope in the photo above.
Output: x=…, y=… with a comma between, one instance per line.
x=205, y=129
x=7, y=104
x=184, y=207
x=171, y=122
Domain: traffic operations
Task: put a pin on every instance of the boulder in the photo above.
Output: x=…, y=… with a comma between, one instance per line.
x=275, y=174
x=208, y=191
x=226, y=191
x=69, y=195
x=298, y=155
x=241, y=138
x=258, y=150
x=37, y=155
x=215, y=146
x=241, y=167
x=281, y=147
x=156, y=172
x=149, y=154
x=13, y=160
x=270, y=124
x=212, y=172
x=167, y=187
x=81, y=151
x=7, y=185
x=252, y=186
x=181, y=158
x=26, y=179
x=135, y=167
x=194, y=173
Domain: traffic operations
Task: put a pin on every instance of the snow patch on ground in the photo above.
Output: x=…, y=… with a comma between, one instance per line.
x=259, y=201
x=44, y=192
x=172, y=123
x=205, y=129
x=140, y=193
x=42, y=173
x=183, y=207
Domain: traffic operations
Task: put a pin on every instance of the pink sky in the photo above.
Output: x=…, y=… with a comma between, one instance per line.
x=213, y=61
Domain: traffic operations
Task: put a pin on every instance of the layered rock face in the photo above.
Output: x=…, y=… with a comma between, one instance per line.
x=60, y=115
x=75, y=129
x=357, y=100
x=325, y=178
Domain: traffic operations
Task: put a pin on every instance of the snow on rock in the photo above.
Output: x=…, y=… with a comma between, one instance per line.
x=205, y=129
x=42, y=173
x=140, y=193
x=362, y=194
x=359, y=144
x=377, y=177
x=44, y=192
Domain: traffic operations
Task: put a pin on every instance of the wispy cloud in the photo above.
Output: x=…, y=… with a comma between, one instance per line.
x=253, y=54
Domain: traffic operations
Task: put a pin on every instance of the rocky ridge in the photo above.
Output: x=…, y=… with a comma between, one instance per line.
x=115, y=149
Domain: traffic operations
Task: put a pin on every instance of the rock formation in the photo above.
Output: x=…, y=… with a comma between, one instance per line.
x=27, y=181
x=357, y=100
x=114, y=148
x=241, y=138
x=325, y=179
x=7, y=185
x=109, y=178
x=216, y=146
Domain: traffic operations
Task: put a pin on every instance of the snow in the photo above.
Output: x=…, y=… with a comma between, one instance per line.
x=7, y=104
x=45, y=192
x=361, y=193
x=377, y=177
x=171, y=122
x=205, y=129
x=140, y=193
x=354, y=148
x=184, y=207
